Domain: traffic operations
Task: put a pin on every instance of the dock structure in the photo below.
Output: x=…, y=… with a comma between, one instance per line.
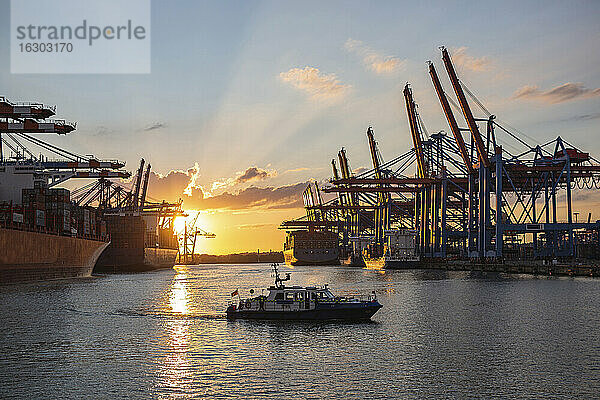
x=20, y=123
x=481, y=197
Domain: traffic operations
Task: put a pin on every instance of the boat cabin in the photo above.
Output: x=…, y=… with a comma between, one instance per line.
x=292, y=298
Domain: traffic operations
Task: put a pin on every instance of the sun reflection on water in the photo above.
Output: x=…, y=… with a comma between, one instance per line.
x=179, y=295
x=175, y=368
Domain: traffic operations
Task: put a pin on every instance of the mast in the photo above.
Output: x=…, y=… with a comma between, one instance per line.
x=279, y=281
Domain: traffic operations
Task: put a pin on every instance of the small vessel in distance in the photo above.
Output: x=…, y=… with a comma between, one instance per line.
x=303, y=303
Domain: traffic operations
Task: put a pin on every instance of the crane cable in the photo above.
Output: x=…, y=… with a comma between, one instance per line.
x=52, y=148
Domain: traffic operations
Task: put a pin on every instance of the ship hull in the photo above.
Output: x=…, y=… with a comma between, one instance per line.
x=353, y=261
x=297, y=257
x=31, y=256
x=129, y=250
x=352, y=312
x=382, y=263
x=402, y=264
x=119, y=260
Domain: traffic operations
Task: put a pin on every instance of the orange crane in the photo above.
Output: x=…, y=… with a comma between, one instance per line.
x=466, y=109
x=351, y=198
x=145, y=187
x=381, y=212
x=188, y=240
x=460, y=142
x=138, y=182
x=414, y=130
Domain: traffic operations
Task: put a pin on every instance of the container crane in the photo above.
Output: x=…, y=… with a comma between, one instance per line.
x=466, y=109
x=381, y=212
x=188, y=240
x=456, y=131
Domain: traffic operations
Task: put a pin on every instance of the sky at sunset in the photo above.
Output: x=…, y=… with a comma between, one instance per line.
x=247, y=100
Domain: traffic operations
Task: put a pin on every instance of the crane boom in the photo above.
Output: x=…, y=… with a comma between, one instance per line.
x=414, y=130
x=344, y=164
x=345, y=170
x=336, y=176
x=145, y=186
x=460, y=142
x=464, y=105
x=373, y=150
x=138, y=182
x=319, y=198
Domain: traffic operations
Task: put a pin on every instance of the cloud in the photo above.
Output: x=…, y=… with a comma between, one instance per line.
x=462, y=59
x=154, y=126
x=193, y=174
x=360, y=170
x=185, y=183
x=374, y=61
x=250, y=174
x=103, y=130
x=302, y=169
x=171, y=186
x=254, y=226
x=565, y=92
x=282, y=197
x=320, y=86
x=253, y=173
x=582, y=117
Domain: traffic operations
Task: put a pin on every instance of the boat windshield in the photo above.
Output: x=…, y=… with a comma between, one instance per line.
x=326, y=294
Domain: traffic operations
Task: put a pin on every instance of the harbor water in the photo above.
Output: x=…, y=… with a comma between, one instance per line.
x=163, y=334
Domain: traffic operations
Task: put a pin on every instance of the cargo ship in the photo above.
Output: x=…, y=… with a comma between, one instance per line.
x=142, y=232
x=45, y=236
x=43, y=233
x=35, y=256
x=138, y=243
x=399, y=251
x=311, y=247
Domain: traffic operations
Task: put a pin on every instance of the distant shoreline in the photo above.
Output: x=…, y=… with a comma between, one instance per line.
x=239, y=258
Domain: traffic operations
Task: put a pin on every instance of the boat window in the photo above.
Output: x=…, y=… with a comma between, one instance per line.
x=313, y=295
x=289, y=296
x=300, y=296
x=279, y=296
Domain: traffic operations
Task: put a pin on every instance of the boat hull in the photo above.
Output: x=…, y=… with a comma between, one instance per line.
x=353, y=261
x=31, y=256
x=382, y=263
x=351, y=312
x=298, y=257
x=119, y=260
x=402, y=264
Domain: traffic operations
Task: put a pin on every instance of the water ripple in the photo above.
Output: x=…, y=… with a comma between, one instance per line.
x=165, y=335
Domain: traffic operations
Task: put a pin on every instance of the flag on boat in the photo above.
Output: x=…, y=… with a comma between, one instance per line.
x=234, y=293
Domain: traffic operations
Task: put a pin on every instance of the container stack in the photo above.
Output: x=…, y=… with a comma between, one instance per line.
x=11, y=214
x=126, y=231
x=34, y=207
x=51, y=210
x=167, y=239
x=58, y=210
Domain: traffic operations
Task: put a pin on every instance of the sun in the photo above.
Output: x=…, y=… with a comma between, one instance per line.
x=179, y=224
x=192, y=215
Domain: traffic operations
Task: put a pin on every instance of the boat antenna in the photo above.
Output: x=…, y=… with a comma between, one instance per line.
x=279, y=281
